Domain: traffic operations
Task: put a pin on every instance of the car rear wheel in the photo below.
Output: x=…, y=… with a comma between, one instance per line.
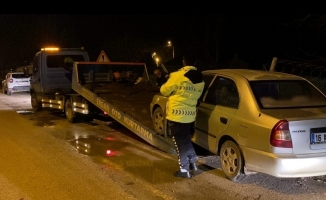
x=232, y=161
x=9, y=92
x=36, y=105
x=159, y=121
x=70, y=115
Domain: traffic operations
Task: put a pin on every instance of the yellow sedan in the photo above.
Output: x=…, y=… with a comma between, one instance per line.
x=258, y=121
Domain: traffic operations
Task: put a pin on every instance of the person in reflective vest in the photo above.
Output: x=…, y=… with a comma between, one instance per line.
x=183, y=88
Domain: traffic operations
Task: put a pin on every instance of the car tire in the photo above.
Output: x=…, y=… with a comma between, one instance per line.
x=9, y=92
x=158, y=120
x=232, y=161
x=36, y=105
x=70, y=115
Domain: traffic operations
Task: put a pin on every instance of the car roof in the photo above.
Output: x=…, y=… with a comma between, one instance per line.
x=253, y=75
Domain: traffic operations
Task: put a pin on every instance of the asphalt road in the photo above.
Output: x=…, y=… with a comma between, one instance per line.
x=42, y=156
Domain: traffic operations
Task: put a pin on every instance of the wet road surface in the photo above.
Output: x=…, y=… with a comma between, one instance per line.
x=126, y=163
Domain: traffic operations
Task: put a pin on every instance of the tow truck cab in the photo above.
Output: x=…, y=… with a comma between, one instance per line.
x=52, y=68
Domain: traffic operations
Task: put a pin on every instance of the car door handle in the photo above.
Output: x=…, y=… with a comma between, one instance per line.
x=223, y=120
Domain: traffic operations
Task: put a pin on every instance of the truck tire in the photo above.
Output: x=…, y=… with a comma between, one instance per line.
x=70, y=115
x=36, y=105
x=159, y=121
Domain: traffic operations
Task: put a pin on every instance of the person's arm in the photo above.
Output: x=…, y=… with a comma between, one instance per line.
x=169, y=86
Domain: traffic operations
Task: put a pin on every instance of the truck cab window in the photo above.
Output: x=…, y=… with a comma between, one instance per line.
x=56, y=61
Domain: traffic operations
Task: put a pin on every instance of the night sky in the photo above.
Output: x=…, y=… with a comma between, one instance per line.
x=255, y=39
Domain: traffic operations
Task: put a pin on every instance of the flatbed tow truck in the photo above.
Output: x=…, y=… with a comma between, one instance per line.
x=65, y=80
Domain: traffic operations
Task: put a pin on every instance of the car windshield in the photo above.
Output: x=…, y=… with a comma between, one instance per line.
x=286, y=94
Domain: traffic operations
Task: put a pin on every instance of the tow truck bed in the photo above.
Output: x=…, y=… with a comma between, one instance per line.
x=111, y=87
x=132, y=100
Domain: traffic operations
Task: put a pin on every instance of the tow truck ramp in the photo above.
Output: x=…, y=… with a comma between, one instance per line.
x=123, y=90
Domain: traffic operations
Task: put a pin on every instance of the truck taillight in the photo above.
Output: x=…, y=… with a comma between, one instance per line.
x=280, y=135
x=11, y=80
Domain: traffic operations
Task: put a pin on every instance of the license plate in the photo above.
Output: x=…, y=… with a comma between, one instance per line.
x=317, y=138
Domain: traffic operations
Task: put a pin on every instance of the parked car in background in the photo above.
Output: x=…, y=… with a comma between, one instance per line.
x=258, y=121
x=15, y=82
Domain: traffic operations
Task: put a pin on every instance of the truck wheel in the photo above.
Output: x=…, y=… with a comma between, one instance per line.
x=70, y=115
x=36, y=105
x=232, y=161
x=159, y=121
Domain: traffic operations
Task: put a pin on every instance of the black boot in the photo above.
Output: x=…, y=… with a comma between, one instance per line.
x=182, y=174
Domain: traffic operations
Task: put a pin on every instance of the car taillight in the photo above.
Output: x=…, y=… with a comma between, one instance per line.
x=10, y=80
x=280, y=135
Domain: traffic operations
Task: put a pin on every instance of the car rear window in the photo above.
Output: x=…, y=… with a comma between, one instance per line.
x=19, y=76
x=287, y=94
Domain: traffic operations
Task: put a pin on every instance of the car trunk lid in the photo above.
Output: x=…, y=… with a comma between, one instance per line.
x=21, y=81
x=307, y=128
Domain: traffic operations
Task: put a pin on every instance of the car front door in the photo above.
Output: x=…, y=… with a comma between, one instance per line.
x=215, y=112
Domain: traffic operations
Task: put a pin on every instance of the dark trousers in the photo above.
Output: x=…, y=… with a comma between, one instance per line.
x=181, y=135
